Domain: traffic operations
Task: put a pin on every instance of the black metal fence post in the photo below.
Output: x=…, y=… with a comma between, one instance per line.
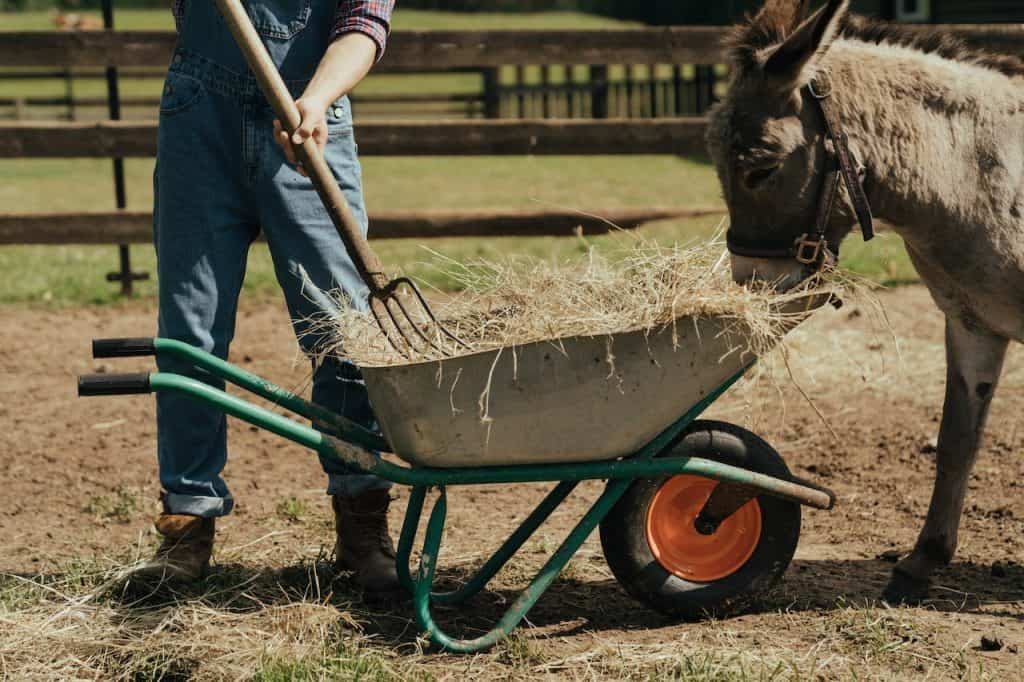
x=705, y=86
x=492, y=92
x=125, y=276
x=69, y=92
x=677, y=90
x=599, y=91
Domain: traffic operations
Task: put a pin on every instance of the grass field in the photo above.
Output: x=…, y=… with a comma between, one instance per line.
x=74, y=275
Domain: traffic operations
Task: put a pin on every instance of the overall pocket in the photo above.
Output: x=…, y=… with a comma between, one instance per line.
x=181, y=92
x=279, y=19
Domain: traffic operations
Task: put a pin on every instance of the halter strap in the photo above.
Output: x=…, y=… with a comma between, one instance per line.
x=841, y=141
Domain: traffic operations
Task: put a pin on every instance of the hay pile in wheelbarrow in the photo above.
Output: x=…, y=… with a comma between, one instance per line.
x=642, y=287
x=577, y=361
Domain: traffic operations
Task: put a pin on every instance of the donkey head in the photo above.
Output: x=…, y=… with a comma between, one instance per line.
x=768, y=139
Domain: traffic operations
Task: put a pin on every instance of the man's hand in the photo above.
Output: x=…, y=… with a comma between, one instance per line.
x=313, y=112
x=346, y=63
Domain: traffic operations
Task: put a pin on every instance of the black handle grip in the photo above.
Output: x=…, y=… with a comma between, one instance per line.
x=113, y=384
x=123, y=348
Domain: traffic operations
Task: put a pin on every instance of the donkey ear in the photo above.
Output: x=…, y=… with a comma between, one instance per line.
x=786, y=62
x=781, y=15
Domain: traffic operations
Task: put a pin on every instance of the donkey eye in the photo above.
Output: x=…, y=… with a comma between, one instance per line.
x=757, y=177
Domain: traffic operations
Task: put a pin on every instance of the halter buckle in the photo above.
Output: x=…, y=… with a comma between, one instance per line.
x=809, y=250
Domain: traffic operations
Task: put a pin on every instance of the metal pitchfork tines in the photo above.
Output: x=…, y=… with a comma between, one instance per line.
x=380, y=302
x=407, y=336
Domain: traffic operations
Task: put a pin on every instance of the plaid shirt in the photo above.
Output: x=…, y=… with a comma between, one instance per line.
x=370, y=17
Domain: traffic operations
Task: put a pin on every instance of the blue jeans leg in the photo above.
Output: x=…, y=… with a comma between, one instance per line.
x=200, y=278
x=202, y=235
x=303, y=240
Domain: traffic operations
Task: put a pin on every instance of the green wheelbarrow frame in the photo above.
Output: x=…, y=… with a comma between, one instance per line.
x=335, y=436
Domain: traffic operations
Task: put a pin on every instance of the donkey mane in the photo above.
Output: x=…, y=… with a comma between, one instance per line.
x=931, y=41
x=774, y=26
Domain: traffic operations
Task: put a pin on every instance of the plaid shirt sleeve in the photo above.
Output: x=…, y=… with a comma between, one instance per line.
x=370, y=17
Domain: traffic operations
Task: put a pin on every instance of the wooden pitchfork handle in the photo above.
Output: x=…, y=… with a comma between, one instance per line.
x=274, y=89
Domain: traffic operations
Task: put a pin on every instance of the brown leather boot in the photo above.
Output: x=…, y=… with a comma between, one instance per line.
x=184, y=554
x=364, y=544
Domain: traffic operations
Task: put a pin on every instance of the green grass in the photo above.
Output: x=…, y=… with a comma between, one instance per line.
x=73, y=275
x=883, y=260
x=121, y=505
x=291, y=509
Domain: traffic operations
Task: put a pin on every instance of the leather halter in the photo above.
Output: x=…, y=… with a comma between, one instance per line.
x=812, y=249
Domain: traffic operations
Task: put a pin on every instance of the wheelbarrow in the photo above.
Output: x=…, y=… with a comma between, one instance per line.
x=697, y=518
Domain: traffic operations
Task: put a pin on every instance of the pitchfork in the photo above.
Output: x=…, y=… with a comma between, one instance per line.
x=409, y=337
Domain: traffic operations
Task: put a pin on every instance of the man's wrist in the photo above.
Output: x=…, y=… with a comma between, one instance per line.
x=317, y=97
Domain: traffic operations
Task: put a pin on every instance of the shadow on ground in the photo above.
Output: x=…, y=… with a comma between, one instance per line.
x=570, y=606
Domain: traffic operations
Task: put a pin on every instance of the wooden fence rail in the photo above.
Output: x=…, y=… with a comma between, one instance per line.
x=440, y=50
x=132, y=139
x=408, y=50
x=136, y=227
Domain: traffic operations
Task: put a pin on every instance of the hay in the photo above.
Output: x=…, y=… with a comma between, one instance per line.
x=644, y=286
x=242, y=623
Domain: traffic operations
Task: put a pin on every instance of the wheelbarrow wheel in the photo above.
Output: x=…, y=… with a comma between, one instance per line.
x=654, y=549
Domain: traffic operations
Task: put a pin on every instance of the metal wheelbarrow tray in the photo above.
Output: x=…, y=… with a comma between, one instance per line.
x=697, y=518
x=571, y=400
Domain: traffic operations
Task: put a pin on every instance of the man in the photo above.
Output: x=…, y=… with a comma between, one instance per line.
x=226, y=170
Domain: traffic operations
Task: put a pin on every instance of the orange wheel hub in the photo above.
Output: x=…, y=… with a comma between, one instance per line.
x=688, y=554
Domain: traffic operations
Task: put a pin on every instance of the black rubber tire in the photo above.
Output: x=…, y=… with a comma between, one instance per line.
x=626, y=548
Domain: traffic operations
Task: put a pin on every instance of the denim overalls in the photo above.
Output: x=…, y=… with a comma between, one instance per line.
x=220, y=179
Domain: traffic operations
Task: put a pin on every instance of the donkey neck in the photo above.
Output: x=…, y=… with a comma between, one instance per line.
x=943, y=140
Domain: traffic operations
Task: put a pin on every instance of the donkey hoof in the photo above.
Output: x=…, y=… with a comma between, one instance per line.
x=904, y=589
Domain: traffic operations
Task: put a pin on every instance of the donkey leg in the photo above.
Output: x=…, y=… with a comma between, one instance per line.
x=974, y=361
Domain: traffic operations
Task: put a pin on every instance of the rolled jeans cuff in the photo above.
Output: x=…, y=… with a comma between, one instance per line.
x=354, y=485
x=203, y=507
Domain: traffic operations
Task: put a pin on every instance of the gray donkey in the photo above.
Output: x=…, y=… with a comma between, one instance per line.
x=828, y=115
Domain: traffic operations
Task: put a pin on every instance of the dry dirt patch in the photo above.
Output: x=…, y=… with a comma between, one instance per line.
x=79, y=490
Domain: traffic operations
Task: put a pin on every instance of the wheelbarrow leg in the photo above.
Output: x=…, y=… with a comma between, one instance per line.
x=527, y=598
x=497, y=561
x=413, y=512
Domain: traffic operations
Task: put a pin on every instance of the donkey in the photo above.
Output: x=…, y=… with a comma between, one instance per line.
x=931, y=135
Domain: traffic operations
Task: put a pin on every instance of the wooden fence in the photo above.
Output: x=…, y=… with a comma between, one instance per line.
x=566, y=91
x=504, y=93
x=134, y=139
x=409, y=51
x=441, y=51
x=136, y=227
x=483, y=52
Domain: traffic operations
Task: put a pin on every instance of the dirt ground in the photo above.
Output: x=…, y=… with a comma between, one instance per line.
x=78, y=483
